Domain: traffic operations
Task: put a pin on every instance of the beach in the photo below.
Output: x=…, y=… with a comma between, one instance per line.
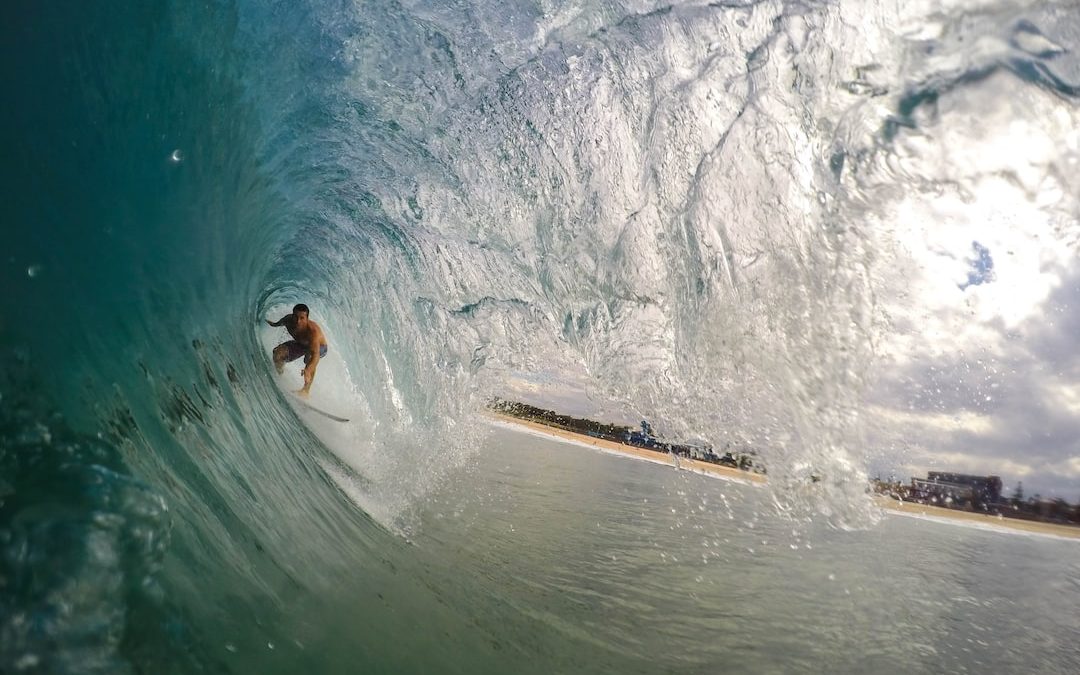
x=667, y=459
x=983, y=520
x=892, y=506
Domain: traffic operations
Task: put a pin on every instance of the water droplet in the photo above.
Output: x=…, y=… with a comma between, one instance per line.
x=27, y=661
x=177, y=156
x=231, y=647
x=33, y=271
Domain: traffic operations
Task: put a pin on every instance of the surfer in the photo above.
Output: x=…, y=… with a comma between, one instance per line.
x=308, y=341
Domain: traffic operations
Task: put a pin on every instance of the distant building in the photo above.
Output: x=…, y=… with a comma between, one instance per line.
x=697, y=448
x=957, y=488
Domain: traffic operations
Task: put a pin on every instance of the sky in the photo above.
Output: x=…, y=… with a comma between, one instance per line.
x=979, y=370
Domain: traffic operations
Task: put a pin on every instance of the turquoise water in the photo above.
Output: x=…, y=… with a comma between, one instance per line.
x=651, y=198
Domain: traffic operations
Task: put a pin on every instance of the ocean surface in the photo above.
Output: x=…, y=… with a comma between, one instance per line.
x=669, y=206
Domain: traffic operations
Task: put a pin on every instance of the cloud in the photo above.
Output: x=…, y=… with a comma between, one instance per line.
x=1010, y=406
x=980, y=370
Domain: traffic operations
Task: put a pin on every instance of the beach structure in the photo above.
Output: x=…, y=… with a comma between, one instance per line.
x=643, y=437
x=957, y=488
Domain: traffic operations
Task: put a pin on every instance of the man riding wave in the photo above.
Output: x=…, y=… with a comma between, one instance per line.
x=308, y=341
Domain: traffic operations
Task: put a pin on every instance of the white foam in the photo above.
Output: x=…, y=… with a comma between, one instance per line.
x=333, y=391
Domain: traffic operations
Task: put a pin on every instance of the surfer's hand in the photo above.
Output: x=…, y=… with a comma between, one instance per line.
x=302, y=392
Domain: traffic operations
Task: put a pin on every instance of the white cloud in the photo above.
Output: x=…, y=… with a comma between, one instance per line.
x=938, y=422
x=1069, y=468
x=978, y=372
x=924, y=460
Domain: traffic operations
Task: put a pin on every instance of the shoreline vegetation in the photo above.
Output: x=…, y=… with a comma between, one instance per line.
x=745, y=467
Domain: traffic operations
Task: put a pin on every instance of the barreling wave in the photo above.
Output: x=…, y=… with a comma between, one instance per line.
x=669, y=200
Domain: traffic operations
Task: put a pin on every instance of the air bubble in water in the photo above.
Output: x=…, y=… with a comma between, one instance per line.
x=27, y=661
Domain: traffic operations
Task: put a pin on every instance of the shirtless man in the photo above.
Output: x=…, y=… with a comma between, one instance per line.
x=308, y=341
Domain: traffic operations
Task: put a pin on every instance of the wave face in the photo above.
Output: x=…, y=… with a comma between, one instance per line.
x=673, y=203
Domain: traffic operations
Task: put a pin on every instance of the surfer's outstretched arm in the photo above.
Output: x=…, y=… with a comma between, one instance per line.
x=279, y=322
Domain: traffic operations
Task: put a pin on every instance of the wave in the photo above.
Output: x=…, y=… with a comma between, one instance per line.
x=672, y=203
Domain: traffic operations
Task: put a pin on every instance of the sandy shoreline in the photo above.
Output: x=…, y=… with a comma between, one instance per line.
x=722, y=472
x=891, y=506
x=981, y=520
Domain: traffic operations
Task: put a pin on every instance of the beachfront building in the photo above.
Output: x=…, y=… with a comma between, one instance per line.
x=957, y=489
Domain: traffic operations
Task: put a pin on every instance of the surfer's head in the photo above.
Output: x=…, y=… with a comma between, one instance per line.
x=301, y=313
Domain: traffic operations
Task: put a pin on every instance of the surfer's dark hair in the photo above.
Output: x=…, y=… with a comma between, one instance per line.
x=301, y=308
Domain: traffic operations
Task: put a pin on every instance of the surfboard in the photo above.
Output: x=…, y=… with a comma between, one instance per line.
x=313, y=409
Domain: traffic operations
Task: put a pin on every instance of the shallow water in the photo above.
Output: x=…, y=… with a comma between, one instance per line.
x=593, y=563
